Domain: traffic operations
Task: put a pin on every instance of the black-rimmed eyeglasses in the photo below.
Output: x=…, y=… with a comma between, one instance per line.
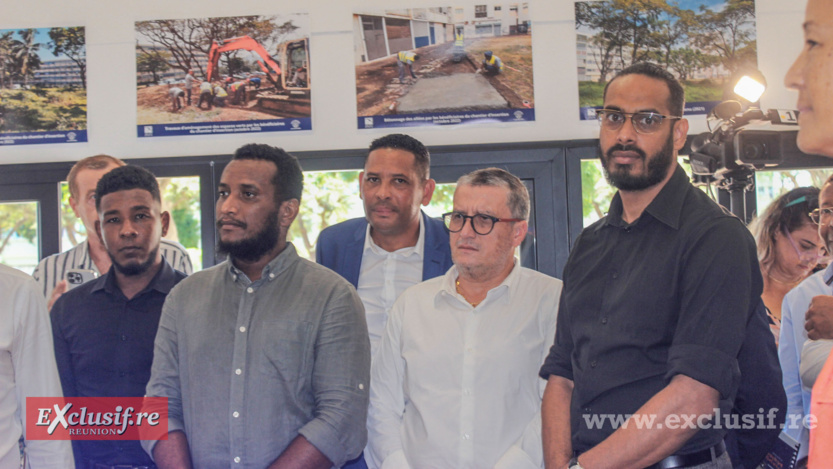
x=644, y=122
x=481, y=223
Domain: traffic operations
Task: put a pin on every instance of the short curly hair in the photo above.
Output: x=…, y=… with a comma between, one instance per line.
x=289, y=177
x=125, y=178
x=422, y=159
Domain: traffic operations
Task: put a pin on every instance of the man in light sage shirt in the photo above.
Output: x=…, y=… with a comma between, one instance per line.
x=264, y=358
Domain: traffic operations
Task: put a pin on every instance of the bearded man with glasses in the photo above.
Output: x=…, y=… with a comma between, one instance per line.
x=454, y=383
x=657, y=298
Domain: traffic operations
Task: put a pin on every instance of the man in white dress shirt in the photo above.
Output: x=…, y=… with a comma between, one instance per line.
x=455, y=382
x=27, y=369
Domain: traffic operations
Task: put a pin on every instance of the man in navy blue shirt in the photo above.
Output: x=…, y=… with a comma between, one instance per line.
x=104, y=330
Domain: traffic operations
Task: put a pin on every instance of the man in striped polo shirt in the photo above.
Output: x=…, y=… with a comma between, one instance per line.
x=90, y=254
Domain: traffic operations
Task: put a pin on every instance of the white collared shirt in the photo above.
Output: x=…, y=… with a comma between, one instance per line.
x=457, y=386
x=27, y=369
x=383, y=277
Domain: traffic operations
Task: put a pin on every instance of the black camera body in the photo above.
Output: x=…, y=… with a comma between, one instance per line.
x=744, y=142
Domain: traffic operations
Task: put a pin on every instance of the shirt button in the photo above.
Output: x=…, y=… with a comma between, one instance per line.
x=465, y=436
x=250, y=289
x=242, y=328
x=238, y=371
x=593, y=364
x=615, y=275
x=587, y=409
x=122, y=374
x=271, y=275
x=604, y=320
x=237, y=459
x=466, y=392
x=235, y=414
x=123, y=337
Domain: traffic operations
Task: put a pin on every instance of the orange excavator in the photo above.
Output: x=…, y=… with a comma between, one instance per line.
x=291, y=95
x=266, y=62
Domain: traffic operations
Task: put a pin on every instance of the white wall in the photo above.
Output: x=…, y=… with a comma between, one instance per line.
x=112, y=88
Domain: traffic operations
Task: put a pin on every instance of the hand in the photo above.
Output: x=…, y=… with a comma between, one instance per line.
x=59, y=290
x=819, y=318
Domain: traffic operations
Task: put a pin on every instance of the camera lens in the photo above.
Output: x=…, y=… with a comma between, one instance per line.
x=754, y=151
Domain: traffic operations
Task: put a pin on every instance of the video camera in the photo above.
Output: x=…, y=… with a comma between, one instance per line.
x=738, y=143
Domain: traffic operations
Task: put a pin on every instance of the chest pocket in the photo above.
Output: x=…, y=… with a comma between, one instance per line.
x=287, y=347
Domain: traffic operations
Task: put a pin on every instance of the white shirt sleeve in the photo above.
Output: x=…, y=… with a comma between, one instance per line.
x=35, y=373
x=790, y=343
x=387, y=398
x=813, y=357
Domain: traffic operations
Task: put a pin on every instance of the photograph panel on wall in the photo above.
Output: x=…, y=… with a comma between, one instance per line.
x=444, y=65
x=223, y=75
x=43, y=86
x=706, y=44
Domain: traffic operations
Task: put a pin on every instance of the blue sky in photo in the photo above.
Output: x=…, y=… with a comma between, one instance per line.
x=693, y=5
x=714, y=5
x=42, y=37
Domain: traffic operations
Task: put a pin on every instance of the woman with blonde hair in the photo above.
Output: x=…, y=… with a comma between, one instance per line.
x=789, y=247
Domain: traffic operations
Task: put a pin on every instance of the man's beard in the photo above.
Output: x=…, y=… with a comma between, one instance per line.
x=656, y=168
x=254, y=247
x=130, y=270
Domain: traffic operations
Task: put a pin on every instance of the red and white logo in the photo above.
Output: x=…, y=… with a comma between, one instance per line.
x=96, y=418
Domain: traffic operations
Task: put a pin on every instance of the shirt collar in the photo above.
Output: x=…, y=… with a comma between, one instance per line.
x=666, y=206
x=271, y=270
x=163, y=281
x=448, y=288
x=418, y=248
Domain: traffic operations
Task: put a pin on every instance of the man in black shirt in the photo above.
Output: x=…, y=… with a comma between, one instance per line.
x=657, y=296
x=104, y=329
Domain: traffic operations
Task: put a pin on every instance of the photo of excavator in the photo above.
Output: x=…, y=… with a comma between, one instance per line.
x=224, y=70
x=289, y=95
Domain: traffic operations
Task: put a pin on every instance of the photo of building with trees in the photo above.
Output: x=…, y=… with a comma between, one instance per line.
x=43, y=85
x=703, y=42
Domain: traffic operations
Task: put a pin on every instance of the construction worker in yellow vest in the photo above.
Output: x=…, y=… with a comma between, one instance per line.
x=458, y=52
x=492, y=65
x=404, y=59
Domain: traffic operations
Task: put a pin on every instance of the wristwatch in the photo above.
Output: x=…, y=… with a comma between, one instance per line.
x=574, y=464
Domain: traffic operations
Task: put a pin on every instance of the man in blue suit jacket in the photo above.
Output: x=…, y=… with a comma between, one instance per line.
x=340, y=248
x=404, y=246
x=396, y=245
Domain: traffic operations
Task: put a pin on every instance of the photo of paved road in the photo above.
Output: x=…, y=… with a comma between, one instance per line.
x=444, y=84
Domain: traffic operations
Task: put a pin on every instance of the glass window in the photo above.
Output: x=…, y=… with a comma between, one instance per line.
x=480, y=11
x=19, y=235
x=769, y=185
x=180, y=198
